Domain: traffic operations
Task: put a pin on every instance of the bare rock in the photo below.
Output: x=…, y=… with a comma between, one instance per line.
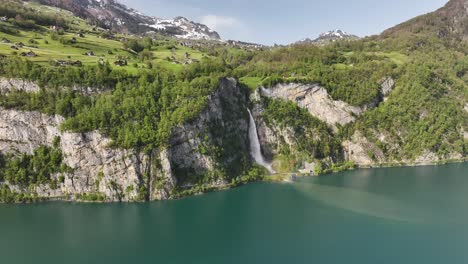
x=362, y=152
x=388, y=84
x=316, y=100
x=7, y=85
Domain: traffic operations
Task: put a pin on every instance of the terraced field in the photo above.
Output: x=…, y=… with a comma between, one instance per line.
x=87, y=44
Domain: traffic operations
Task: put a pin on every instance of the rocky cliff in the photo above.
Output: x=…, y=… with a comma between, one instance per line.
x=208, y=152
x=361, y=149
x=97, y=170
x=320, y=104
x=316, y=100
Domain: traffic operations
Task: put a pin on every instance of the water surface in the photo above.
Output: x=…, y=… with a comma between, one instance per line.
x=396, y=215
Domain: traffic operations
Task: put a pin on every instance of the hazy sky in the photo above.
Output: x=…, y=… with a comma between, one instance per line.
x=282, y=22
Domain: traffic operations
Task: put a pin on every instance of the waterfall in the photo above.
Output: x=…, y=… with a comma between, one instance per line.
x=255, y=149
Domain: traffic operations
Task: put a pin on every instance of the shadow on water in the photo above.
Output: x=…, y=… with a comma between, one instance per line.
x=361, y=202
x=409, y=202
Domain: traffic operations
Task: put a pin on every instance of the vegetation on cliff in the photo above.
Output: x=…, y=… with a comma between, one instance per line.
x=143, y=88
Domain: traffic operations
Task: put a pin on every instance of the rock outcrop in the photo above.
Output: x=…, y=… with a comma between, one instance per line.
x=7, y=85
x=320, y=104
x=316, y=100
x=387, y=86
x=362, y=152
x=271, y=137
x=223, y=125
x=96, y=167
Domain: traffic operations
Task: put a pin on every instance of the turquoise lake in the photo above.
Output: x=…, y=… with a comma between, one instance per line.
x=391, y=215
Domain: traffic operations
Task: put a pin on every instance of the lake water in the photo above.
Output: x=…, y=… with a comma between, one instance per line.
x=396, y=215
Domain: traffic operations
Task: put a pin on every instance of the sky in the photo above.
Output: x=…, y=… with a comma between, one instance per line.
x=282, y=22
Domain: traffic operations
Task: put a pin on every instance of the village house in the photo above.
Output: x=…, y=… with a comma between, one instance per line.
x=54, y=28
x=120, y=63
x=28, y=54
x=68, y=63
x=77, y=63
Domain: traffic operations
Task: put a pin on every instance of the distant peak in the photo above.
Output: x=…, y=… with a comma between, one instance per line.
x=329, y=36
x=337, y=33
x=181, y=18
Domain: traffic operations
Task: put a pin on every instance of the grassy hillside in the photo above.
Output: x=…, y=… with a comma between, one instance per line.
x=76, y=38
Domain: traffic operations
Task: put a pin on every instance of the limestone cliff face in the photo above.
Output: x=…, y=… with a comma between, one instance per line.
x=320, y=104
x=210, y=150
x=271, y=137
x=316, y=100
x=216, y=141
x=97, y=168
x=361, y=151
x=6, y=85
x=128, y=175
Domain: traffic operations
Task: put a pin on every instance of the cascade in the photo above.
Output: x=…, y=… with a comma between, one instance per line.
x=255, y=149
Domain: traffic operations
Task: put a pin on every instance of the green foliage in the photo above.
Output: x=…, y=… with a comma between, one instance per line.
x=9, y=196
x=424, y=112
x=313, y=137
x=32, y=169
x=138, y=45
x=62, y=102
x=29, y=18
x=98, y=76
x=91, y=197
x=323, y=168
x=352, y=77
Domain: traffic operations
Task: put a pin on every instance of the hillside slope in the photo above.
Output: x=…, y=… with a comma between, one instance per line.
x=112, y=15
x=449, y=21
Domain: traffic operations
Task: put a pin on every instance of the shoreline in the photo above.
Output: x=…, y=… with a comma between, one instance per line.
x=281, y=178
x=286, y=177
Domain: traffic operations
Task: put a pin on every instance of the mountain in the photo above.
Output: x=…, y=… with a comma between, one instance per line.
x=110, y=14
x=449, y=21
x=329, y=36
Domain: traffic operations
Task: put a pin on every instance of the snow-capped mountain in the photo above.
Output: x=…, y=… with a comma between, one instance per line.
x=181, y=27
x=335, y=35
x=329, y=36
x=113, y=15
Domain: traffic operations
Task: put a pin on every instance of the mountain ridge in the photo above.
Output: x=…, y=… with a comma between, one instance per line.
x=328, y=37
x=113, y=15
x=450, y=20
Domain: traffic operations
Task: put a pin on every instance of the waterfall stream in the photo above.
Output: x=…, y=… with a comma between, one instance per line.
x=255, y=149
